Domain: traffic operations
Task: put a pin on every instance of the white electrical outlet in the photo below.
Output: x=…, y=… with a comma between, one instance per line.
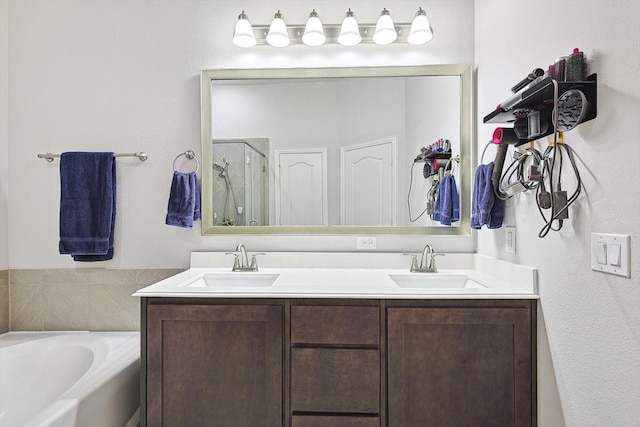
x=510, y=239
x=366, y=243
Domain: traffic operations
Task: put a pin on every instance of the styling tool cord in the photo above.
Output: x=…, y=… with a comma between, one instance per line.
x=409, y=196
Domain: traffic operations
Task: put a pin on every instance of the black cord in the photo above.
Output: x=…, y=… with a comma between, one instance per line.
x=409, y=196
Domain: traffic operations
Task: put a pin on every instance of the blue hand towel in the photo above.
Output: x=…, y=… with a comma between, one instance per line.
x=184, y=200
x=87, y=205
x=447, y=206
x=486, y=208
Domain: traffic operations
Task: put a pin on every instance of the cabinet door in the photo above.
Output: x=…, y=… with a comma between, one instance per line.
x=214, y=365
x=459, y=367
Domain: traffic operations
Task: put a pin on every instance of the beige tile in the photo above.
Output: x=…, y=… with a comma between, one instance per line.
x=150, y=276
x=112, y=308
x=4, y=302
x=26, y=277
x=89, y=276
x=66, y=307
x=27, y=307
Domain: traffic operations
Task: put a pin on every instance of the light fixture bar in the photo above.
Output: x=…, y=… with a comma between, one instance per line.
x=331, y=31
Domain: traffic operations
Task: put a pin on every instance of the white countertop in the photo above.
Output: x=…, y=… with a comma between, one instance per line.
x=328, y=275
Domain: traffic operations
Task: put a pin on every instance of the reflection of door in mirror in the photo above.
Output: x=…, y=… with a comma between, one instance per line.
x=368, y=183
x=301, y=187
x=240, y=182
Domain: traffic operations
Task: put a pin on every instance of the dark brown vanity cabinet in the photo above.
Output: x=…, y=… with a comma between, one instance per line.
x=461, y=364
x=335, y=363
x=338, y=363
x=213, y=365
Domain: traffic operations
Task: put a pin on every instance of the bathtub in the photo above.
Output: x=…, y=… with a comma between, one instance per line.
x=69, y=379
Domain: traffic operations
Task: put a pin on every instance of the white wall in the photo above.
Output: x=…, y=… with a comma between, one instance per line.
x=4, y=133
x=592, y=320
x=124, y=76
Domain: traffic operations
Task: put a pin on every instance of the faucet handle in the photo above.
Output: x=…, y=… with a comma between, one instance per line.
x=432, y=260
x=236, y=260
x=254, y=264
x=414, y=261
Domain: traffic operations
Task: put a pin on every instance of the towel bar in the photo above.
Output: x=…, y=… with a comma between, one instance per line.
x=49, y=157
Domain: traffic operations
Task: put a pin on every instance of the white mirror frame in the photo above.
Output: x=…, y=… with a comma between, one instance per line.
x=467, y=155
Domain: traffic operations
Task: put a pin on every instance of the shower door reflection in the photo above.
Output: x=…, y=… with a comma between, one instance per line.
x=240, y=185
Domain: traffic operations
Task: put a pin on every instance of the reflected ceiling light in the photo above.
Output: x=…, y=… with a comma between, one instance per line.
x=349, y=31
x=278, y=35
x=421, y=31
x=243, y=35
x=385, y=30
x=313, y=32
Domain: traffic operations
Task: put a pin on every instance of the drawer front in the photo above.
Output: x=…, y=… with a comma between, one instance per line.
x=313, y=421
x=335, y=380
x=335, y=325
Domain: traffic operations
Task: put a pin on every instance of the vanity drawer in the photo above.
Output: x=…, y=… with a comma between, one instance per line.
x=350, y=325
x=315, y=421
x=335, y=380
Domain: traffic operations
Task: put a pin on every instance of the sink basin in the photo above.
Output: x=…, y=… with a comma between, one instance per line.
x=223, y=280
x=435, y=281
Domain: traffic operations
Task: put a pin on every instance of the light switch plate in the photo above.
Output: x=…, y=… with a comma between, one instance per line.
x=610, y=243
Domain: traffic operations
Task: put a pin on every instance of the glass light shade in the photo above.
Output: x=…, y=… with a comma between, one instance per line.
x=349, y=31
x=385, y=32
x=313, y=32
x=278, y=35
x=420, y=32
x=243, y=35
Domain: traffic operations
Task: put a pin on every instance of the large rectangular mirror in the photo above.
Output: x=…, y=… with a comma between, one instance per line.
x=334, y=150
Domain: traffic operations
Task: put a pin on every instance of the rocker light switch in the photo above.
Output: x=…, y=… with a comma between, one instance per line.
x=614, y=255
x=610, y=254
x=601, y=253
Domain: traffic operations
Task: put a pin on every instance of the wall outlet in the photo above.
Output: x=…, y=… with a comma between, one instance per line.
x=366, y=243
x=510, y=239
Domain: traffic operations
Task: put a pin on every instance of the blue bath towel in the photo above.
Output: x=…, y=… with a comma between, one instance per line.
x=447, y=206
x=184, y=200
x=486, y=208
x=87, y=205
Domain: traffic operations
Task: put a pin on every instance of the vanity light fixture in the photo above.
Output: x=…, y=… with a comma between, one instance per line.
x=385, y=30
x=313, y=32
x=243, y=35
x=420, y=32
x=348, y=33
x=278, y=35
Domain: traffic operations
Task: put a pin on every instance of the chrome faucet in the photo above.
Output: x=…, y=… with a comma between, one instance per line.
x=427, y=261
x=241, y=260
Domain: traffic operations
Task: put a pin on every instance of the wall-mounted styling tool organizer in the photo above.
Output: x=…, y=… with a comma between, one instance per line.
x=141, y=155
x=189, y=155
x=531, y=107
x=433, y=156
x=543, y=104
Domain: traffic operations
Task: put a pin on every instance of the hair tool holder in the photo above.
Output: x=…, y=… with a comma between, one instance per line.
x=532, y=106
x=435, y=157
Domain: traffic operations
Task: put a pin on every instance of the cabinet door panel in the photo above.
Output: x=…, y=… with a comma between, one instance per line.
x=319, y=421
x=335, y=380
x=459, y=366
x=335, y=325
x=214, y=365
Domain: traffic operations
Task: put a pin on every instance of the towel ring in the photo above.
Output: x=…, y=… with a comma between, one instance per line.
x=190, y=155
x=484, y=151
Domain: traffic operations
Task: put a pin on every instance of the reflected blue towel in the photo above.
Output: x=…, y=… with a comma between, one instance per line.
x=486, y=208
x=87, y=205
x=447, y=205
x=184, y=200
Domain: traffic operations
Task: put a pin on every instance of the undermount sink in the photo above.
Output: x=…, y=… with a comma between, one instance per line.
x=223, y=280
x=435, y=281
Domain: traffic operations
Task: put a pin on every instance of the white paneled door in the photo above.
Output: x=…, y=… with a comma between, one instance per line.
x=301, y=187
x=368, y=183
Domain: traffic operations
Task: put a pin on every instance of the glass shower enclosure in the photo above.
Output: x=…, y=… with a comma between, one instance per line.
x=240, y=182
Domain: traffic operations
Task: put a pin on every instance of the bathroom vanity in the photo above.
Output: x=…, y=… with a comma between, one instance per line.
x=362, y=347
